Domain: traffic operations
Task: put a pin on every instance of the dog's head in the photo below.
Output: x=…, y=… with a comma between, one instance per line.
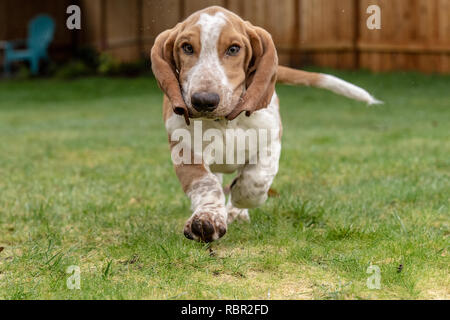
x=215, y=65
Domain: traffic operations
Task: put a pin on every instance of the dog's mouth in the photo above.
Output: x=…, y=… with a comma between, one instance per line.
x=187, y=113
x=218, y=113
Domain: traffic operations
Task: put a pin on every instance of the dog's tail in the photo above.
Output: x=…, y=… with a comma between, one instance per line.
x=320, y=80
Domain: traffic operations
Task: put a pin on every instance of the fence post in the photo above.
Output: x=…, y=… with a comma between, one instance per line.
x=356, y=34
x=182, y=8
x=103, y=35
x=140, y=26
x=295, y=54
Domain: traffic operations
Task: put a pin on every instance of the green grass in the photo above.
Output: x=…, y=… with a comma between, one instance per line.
x=86, y=180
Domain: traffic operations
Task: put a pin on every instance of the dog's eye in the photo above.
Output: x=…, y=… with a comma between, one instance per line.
x=187, y=48
x=233, y=50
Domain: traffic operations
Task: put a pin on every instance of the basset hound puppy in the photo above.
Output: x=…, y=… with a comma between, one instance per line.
x=218, y=74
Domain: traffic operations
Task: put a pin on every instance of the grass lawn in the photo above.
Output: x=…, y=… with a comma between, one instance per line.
x=86, y=180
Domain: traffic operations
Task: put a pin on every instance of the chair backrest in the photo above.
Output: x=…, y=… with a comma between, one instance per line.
x=40, y=33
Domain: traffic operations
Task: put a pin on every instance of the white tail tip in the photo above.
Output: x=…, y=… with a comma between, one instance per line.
x=345, y=88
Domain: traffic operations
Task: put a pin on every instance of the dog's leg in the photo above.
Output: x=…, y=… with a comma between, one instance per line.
x=233, y=212
x=236, y=213
x=209, y=219
x=250, y=188
x=219, y=177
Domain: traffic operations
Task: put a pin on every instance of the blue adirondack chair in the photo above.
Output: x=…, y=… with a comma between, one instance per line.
x=40, y=34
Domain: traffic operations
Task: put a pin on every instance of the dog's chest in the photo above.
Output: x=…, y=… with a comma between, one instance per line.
x=225, y=146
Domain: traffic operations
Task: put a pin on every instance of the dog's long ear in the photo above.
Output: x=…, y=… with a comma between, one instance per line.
x=164, y=69
x=261, y=72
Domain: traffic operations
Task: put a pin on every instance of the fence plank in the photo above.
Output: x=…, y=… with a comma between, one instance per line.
x=92, y=23
x=194, y=5
x=123, y=39
x=153, y=24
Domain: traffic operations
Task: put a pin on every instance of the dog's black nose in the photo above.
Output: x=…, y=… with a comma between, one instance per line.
x=205, y=101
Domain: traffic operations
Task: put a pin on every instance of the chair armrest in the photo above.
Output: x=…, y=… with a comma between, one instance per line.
x=8, y=45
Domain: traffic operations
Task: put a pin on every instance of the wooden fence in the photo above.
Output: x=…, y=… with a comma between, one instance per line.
x=414, y=34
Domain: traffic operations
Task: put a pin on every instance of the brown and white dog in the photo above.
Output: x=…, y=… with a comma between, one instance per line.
x=219, y=70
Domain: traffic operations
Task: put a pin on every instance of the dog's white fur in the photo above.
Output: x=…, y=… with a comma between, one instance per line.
x=208, y=72
x=345, y=88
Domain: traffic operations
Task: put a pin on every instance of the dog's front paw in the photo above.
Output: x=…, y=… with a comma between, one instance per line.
x=205, y=227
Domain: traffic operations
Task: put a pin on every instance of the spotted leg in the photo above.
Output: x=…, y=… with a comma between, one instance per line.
x=209, y=218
